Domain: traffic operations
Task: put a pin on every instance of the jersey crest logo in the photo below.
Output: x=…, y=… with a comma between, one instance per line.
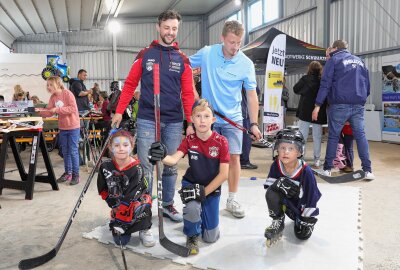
x=149, y=64
x=213, y=151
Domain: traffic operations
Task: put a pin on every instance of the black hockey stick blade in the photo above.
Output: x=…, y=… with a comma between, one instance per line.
x=37, y=261
x=342, y=178
x=174, y=248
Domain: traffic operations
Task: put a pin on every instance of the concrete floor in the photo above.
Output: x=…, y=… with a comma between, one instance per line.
x=32, y=228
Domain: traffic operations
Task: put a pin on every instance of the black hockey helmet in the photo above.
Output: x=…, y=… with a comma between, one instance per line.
x=290, y=136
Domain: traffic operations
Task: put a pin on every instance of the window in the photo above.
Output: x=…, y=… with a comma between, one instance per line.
x=271, y=10
x=255, y=14
x=237, y=16
x=262, y=12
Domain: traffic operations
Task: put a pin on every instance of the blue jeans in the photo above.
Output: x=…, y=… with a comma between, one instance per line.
x=202, y=218
x=338, y=114
x=317, y=137
x=69, y=144
x=171, y=137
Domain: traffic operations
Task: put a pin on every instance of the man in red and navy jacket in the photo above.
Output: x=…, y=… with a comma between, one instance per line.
x=176, y=94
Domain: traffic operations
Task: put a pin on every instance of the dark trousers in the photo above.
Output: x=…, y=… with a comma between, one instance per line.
x=348, y=148
x=246, y=145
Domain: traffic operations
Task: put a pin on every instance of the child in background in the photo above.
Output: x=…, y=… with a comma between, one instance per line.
x=292, y=188
x=121, y=183
x=62, y=102
x=348, y=138
x=208, y=156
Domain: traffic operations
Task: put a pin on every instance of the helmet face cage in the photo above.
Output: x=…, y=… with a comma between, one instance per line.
x=289, y=136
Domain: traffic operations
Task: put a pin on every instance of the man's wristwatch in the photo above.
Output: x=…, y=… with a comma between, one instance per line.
x=253, y=124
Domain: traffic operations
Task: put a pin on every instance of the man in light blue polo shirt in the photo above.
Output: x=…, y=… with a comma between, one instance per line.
x=224, y=70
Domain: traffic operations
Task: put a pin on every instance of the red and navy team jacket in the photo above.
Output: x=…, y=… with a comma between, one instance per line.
x=176, y=83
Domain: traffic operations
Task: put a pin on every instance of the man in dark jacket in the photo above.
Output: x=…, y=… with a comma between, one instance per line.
x=345, y=83
x=176, y=98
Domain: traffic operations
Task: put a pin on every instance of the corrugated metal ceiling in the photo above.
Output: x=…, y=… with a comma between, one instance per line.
x=28, y=17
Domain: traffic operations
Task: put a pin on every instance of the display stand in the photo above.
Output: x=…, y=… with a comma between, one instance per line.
x=28, y=179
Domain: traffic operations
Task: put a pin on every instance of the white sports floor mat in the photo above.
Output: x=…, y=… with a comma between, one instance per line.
x=336, y=242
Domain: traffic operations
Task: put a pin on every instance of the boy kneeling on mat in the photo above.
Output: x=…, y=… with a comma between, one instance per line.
x=208, y=157
x=121, y=183
x=291, y=188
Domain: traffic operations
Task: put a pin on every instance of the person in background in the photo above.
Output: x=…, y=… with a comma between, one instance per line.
x=345, y=84
x=246, y=146
x=63, y=103
x=17, y=90
x=80, y=92
x=21, y=96
x=35, y=99
x=307, y=87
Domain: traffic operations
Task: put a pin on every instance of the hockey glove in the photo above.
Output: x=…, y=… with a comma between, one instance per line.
x=157, y=152
x=304, y=227
x=285, y=186
x=192, y=192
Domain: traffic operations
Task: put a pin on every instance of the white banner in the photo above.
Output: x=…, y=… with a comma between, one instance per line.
x=274, y=73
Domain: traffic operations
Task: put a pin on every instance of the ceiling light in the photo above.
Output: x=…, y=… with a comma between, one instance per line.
x=114, y=26
x=238, y=2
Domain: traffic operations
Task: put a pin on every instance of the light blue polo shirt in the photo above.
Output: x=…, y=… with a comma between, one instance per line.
x=222, y=79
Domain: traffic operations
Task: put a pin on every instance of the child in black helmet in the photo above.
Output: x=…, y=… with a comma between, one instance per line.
x=291, y=188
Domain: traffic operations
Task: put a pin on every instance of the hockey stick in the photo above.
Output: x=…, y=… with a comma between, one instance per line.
x=343, y=178
x=119, y=232
x=245, y=130
x=37, y=261
x=164, y=241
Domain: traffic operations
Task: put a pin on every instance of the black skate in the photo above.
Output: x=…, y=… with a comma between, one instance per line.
x=274, y=232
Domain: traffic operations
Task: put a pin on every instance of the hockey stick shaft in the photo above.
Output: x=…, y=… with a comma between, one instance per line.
x=245, y=130
x=164, y=241
x=157, y=116
x=37, y=261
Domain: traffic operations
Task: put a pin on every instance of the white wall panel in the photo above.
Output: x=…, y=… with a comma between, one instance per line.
x=365, y=24
x=222, y=13
x=141, y=35
x=293, y=6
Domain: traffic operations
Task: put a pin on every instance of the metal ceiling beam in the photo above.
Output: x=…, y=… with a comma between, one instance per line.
x=6, y=37
x=74, y=14
x=88, y=9
x=14, y=12
x=218, y=7
x=121, y=2
x=59, y=8
x=29, y=10
x=46, y=15
x=174, y=4
x=99, y=11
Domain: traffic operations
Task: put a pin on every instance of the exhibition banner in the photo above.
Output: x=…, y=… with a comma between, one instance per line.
x=391, y=98
x=274, y=73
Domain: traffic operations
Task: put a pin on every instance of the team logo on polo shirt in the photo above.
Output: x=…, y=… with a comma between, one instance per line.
x=213, y=151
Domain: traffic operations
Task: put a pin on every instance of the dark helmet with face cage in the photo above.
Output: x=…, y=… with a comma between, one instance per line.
x=290, y=136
